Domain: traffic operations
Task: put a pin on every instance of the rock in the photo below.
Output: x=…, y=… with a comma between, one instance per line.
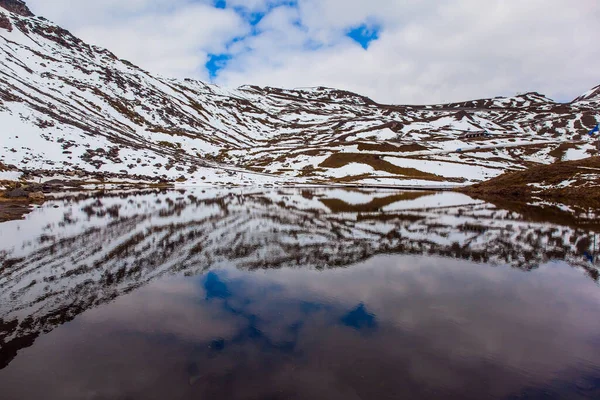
x=17, y=7
x=5, y=24
x=15, y=193
x=37, y=197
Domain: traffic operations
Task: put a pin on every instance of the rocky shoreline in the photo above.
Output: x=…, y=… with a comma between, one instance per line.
x=17, y=198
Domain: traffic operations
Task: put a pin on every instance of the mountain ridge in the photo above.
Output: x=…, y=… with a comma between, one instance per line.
x=67, y=106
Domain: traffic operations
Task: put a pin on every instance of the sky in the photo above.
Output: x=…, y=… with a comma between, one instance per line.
x=394, y=51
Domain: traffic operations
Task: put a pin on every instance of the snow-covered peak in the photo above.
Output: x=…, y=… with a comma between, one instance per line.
x=69, y=106
x=590, y=98
x=524, y=100
x=592, y=93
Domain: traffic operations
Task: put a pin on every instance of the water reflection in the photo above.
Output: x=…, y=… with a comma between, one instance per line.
x=266, y=310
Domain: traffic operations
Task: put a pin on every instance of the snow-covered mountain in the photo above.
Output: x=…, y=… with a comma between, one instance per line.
x=590, y=99
x=80, y=251
x=70, y=107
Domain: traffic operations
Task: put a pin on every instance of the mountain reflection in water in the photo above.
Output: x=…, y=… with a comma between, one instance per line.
x=296, y=294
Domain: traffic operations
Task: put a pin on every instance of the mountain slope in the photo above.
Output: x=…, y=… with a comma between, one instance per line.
x=570, y=182
x=589, y=99
x=69, y=106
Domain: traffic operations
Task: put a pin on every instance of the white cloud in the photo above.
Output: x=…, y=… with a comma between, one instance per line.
x=172, y=38
x=428, y=51
x=432, y=52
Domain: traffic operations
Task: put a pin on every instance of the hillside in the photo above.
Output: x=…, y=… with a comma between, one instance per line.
x=569, y=182
x=69, y=109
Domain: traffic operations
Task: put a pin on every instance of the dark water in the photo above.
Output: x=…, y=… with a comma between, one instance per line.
x=290, y=294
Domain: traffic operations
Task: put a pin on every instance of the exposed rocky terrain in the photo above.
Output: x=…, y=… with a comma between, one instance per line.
x=76, y=111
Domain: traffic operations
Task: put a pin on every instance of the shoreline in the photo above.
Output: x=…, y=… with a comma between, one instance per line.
x=572, y=184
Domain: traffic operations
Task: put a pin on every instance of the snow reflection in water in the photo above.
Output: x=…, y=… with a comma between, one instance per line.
x=297, y=294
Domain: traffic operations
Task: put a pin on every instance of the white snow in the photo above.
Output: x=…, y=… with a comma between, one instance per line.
x=351, y=169
x=10, y=175
x=164, y=128
x=381, y=134
x=575, y=154
x=446, y=169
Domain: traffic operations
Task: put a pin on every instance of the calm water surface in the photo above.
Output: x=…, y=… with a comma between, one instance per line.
x=289, y=294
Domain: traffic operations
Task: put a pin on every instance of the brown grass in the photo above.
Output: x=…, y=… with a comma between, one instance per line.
x=308, y=172
x=337, y=205
x=352, y=178
x=170, y=144
x=529, y=149
x=386, y=147
x=11, y=209
x=339, y=160
x=533, y=213
x=389, y=217
x=314, y=152
x=514, y=185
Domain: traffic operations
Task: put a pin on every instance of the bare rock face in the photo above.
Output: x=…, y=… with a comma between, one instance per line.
x=17, y=7
x=5, y=22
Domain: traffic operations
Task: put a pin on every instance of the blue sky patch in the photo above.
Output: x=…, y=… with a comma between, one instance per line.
x=220, y=3
x=364, y=34
x=215, y=63
x=215, y=287
x=254, y=18
x=360, y=319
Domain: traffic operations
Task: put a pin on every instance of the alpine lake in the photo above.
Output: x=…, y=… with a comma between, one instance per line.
x=288, y=293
